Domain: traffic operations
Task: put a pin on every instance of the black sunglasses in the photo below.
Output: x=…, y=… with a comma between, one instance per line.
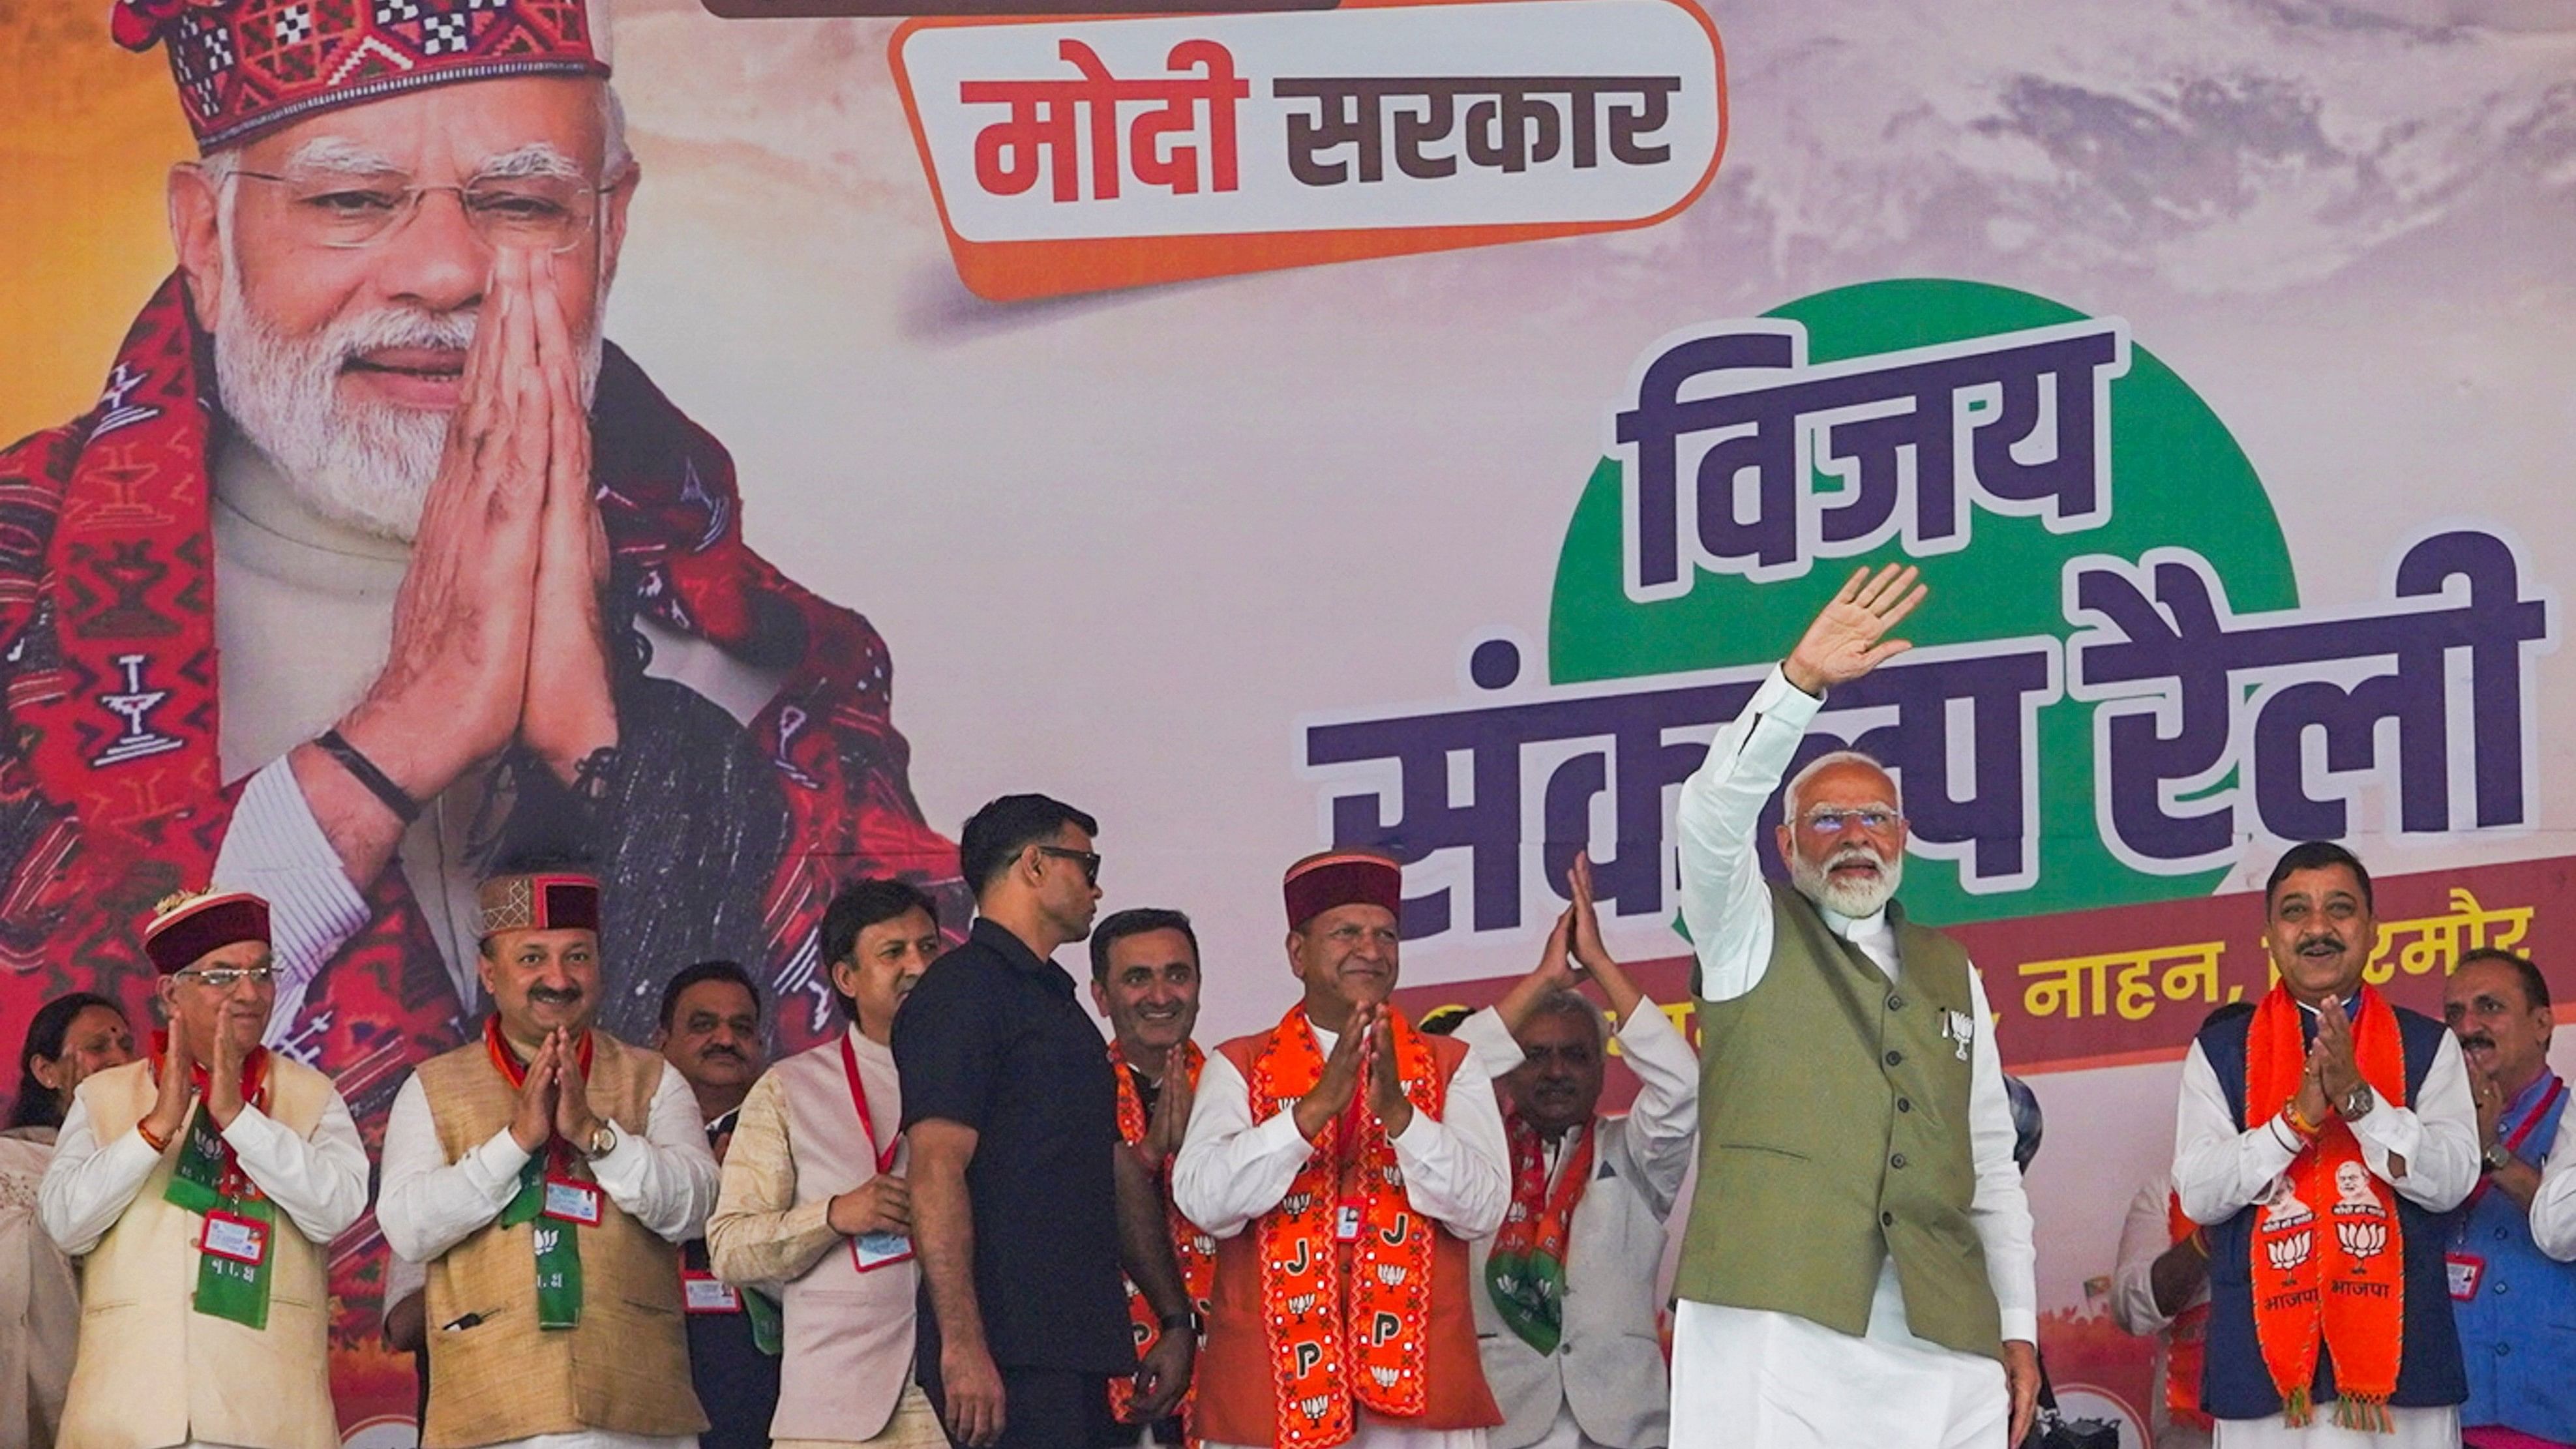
x=1089, y=860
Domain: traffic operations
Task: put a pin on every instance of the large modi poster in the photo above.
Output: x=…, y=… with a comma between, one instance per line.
x=1417, y=425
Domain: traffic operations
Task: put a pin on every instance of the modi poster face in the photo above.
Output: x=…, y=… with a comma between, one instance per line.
x=1407, y=425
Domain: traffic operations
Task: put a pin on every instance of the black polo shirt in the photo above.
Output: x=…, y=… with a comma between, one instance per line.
x=992, y=1037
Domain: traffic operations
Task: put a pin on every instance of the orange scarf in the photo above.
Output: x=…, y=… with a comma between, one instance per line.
x=1525, y=1272
x=1194, y=1250
x=2186, y=1338
x=1348, y=1317
x=2344, y=1289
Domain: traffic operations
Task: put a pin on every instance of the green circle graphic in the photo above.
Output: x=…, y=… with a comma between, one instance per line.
x=2177, y=479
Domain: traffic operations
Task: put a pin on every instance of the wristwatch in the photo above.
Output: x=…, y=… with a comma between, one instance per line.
x=2496, y=1157
x=1190, y=1320
x=603, y=1140
x=2357, y=1105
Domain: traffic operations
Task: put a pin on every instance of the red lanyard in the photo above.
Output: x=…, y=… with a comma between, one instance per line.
x=2513, y=1144
x=859, y=1099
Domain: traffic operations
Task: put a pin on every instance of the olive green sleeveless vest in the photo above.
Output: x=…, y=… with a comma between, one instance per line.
x=1834, y=1132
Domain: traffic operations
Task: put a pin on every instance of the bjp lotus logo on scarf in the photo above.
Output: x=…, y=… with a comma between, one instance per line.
x=2361, y=1224
x=2287, y=1240
x=2292, y=1251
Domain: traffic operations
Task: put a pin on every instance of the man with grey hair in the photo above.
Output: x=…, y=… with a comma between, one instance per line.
x=1857, y=1267
x=1580, y=1370
x=375, y=563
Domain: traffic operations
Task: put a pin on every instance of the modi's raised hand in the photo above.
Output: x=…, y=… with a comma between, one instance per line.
x=1849, y=639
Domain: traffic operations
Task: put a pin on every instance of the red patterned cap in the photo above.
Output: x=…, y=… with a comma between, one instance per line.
x=247, y=66
x=1342, y=878
x=539, y=901
x=188, y=925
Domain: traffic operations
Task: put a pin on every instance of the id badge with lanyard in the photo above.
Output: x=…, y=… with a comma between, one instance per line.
x=2465, y=1270
x=872, y=1250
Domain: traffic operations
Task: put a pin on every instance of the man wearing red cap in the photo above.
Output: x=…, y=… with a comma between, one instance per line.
x=368, y=444
x=1342, y=1160
x=547, y=1174
x=200, y=1186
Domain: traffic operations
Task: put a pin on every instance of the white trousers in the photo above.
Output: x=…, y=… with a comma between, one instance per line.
x=1746, y=1379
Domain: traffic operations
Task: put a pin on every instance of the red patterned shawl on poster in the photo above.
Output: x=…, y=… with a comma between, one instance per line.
x=110, y=788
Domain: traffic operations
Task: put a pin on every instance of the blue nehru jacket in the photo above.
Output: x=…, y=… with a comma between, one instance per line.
x=2518, y=1322
x=2234, y=1382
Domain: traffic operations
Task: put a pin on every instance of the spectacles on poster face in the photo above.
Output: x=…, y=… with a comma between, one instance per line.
x=1088, y=860
x=346, y=210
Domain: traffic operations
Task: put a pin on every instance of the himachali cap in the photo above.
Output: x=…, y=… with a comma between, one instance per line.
x=1342, y=878
x=248, y=66
x=188, y=925
x=542, y=901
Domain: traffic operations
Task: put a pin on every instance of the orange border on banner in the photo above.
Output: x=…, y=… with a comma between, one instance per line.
x=1020, y=271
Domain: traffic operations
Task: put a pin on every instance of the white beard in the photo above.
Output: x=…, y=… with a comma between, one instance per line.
x=1857, y=899
x=365, y=465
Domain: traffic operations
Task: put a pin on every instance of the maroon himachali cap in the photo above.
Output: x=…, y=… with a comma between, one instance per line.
x=248, y=66
x=539, y=901
x=1342, y=878
x=190, y=924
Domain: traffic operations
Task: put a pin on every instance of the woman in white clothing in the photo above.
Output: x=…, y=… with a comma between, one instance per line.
x=69, y=1038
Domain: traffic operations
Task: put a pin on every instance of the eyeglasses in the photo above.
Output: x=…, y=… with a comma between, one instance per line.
x=342, y=209
x=225, y=978
x=1875, y=821
x=1088, y=860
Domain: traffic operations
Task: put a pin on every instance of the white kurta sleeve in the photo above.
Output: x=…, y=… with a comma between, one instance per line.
x=1724, y=905
x=427, y=1204
x=1663, y=1124
x=1494, y=1047
x=667, y=1178
x=275, y=847
x=1458, y=1168
x=2436, y=1135
x=321, y=1181
x=1999, y=1210
x=1232, y=1169
x=2218, y=1170
x=86, y=1186
x=2144, y=1236
x=2553, y=1206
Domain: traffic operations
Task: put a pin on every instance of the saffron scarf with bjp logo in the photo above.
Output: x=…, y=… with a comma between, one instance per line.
x=2328, y=1261
x=2187, y=1337
x=1193, y=1249
x=1525, y=1272
x=1345, y=1261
